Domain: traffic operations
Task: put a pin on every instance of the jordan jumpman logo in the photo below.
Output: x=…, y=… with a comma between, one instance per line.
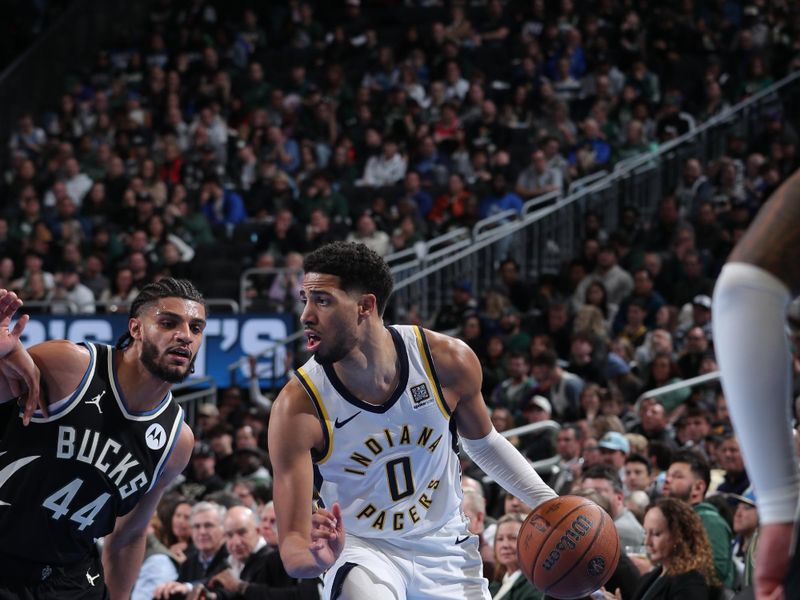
x=96, y=401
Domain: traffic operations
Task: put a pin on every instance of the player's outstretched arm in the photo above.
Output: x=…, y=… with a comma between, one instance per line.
x=460, y=374
x=308, y=544
x=19, y=375
x=123, y=549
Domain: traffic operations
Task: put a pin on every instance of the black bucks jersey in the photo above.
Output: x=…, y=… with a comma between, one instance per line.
x=65, y=478
x=393, y=468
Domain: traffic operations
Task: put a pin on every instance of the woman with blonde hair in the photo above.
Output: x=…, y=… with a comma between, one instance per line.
x=677, y=543
x=589, y=320
x=509, y=581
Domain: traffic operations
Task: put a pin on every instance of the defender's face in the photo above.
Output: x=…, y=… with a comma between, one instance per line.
x=171, y=331
x=330, y=318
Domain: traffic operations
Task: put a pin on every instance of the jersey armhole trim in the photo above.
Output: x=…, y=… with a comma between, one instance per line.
x=430, y=370
x=177, y=425
x=316, y=398
x=65, y=405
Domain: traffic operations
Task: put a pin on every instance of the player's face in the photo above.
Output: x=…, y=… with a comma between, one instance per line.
x=657, y=536
x=207, y=532
x=505, y=545
x=330, y=318
x=171, y=332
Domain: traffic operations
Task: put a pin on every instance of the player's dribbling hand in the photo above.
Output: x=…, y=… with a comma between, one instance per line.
x=773, y=551
x=17, y=367
x=327, y=536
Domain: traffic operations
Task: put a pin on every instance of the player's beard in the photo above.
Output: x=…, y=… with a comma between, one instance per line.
x=149, y=359
x=335, y=349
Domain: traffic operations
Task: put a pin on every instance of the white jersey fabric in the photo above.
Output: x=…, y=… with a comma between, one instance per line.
x=393, y=468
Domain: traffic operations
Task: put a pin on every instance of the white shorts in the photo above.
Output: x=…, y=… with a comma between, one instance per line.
x=443, y=564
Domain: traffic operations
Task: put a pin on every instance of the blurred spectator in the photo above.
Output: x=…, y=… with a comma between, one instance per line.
x=539, y=178
x=368, y=234
x=512, y=392
x=688, y=479
x=210, y=556
x=681, y=548
x=174, y=512
x=569, y=445
x=693, y=189
x=70, y=294
x=745, y=526
x=27, y=139
x=561, y=387
x=730, y=459
x=384, y=169
x=221, y=206
x=201, y=478
x=605, y=481
x=509, y=582
x=462, y=304
x=647, y=297
x=255, y=569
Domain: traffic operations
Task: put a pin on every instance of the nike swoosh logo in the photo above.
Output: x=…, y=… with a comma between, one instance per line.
x=12, y=468
x=339, y=423
x=462, y=540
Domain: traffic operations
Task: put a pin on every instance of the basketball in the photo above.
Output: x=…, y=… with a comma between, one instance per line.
x=568, y=547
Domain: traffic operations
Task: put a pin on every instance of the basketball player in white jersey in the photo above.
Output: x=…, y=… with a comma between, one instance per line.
x=370, y=422
x=750, y=301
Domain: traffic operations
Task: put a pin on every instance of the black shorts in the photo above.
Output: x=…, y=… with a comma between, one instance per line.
x=23, y=580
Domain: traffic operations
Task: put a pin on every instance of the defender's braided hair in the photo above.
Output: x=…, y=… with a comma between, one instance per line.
x=167, y=287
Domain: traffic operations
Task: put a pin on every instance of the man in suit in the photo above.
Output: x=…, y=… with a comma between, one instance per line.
x=209, y=556
x=255, y=569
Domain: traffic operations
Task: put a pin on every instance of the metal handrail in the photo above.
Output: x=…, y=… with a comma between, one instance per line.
x=679, y=385
x=534, y=204
x=479, y=229
x=581, y=183
x=191, y=400
x=229, y=302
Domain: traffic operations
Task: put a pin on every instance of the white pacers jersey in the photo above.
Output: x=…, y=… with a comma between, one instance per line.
x=393, y=468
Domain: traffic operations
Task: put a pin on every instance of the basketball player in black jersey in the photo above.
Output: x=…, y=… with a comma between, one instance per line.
x=94, y=458
x=750, y=301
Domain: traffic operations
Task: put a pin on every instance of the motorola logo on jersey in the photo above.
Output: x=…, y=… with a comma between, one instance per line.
x=156, y=437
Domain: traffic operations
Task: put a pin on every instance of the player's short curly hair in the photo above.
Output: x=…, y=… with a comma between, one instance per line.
x=167, y=287
x=358, y=268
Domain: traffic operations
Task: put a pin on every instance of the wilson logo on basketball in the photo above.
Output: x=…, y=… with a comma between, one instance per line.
x=569, y=541
x=596, y=566
x=540, y=523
